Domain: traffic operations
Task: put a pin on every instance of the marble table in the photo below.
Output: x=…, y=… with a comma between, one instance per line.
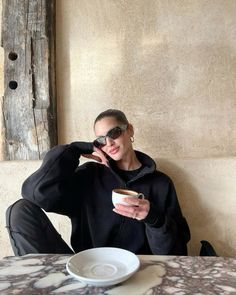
x=47, y=274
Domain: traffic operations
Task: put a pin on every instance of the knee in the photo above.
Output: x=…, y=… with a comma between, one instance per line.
x=18, y=210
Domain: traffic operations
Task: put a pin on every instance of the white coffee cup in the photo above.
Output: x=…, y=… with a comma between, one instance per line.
x=119, y=194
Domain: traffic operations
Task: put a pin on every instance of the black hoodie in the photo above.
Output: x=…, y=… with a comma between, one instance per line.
x=84, y=194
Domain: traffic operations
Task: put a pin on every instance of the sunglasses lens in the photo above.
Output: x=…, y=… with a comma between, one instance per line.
x=114, y=133
x=100, y=142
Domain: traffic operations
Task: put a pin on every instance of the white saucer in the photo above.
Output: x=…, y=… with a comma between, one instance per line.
x=103, y=266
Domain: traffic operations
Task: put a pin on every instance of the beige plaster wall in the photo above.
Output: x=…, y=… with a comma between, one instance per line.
x=171, y=66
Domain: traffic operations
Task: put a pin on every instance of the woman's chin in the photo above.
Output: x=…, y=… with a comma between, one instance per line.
x=116, y=157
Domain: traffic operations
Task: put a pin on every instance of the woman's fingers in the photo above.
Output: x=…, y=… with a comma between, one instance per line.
x=139, y=208
x=93, y=157
x=98, y=156
x=98, y=153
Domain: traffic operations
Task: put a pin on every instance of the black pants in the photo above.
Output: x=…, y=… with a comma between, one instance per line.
x=31, y=231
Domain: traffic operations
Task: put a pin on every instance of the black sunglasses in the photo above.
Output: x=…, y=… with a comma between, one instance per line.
x=114, y=133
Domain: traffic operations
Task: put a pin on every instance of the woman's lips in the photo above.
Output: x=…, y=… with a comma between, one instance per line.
x=114, y=151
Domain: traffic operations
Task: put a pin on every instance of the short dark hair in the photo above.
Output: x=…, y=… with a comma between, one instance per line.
x=117, y=114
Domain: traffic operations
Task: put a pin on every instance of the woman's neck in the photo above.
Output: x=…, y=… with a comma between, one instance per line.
x=129, y=162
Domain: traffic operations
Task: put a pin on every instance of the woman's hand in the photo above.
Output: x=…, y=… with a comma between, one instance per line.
x=138, y=208
x=98, y=156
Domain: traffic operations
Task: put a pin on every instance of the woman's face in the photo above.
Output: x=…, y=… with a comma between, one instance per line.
x=115, y=148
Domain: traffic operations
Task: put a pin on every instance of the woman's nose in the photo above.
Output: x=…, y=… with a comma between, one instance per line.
x=109, y=141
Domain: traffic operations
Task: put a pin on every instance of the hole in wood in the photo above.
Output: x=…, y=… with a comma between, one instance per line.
x=13, y=85
x=12, y=55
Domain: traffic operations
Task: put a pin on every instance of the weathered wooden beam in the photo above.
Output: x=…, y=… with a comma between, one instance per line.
x=29, y=102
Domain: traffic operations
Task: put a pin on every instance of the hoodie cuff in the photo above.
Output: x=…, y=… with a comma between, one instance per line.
x=83, y=147
x=153, y=219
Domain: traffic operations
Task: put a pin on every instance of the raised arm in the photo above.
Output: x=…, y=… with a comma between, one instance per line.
x=52, y=186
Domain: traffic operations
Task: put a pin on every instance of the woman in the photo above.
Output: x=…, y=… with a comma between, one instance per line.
x=153, y=225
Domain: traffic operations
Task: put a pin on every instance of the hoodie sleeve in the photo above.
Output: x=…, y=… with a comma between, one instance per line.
x=167, y=230
x=52, y=186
